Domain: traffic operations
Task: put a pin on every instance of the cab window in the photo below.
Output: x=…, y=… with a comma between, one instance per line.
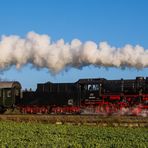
x=17, y=92
x=8, y=93
x=93, y=87
x=0, y=93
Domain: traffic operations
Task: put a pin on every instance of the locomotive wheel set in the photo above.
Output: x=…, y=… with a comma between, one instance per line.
x=86, y=96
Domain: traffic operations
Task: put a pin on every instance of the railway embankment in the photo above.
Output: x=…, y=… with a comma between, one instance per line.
x=89, y=120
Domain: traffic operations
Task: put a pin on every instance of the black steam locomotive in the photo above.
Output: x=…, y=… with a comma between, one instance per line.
x=98, y=95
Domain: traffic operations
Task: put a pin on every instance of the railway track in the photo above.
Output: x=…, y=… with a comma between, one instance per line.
x=126, y=121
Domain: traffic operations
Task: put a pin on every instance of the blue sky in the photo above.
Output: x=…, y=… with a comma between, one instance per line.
x=116, y=21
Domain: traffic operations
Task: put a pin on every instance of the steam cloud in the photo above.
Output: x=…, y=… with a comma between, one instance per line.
x=40, y=51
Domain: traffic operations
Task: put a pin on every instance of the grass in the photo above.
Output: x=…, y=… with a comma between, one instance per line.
x=37, y=135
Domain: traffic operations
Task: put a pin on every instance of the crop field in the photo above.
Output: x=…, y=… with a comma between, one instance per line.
x=38, y=135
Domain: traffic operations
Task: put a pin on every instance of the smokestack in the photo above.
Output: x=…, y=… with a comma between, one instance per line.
x=40, y=51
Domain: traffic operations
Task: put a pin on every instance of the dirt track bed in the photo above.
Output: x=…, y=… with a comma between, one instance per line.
x=126, y=121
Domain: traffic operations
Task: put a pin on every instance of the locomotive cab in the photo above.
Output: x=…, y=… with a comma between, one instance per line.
x=90, y=92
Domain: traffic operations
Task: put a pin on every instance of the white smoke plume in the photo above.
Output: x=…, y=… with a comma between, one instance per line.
x=40, y=51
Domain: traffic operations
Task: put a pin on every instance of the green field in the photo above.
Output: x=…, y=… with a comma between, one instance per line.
x=37, y=135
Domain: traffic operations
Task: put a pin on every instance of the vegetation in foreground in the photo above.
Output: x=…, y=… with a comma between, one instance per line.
x=37, y=135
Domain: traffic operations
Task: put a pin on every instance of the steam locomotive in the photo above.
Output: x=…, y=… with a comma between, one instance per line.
x=96, y=95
